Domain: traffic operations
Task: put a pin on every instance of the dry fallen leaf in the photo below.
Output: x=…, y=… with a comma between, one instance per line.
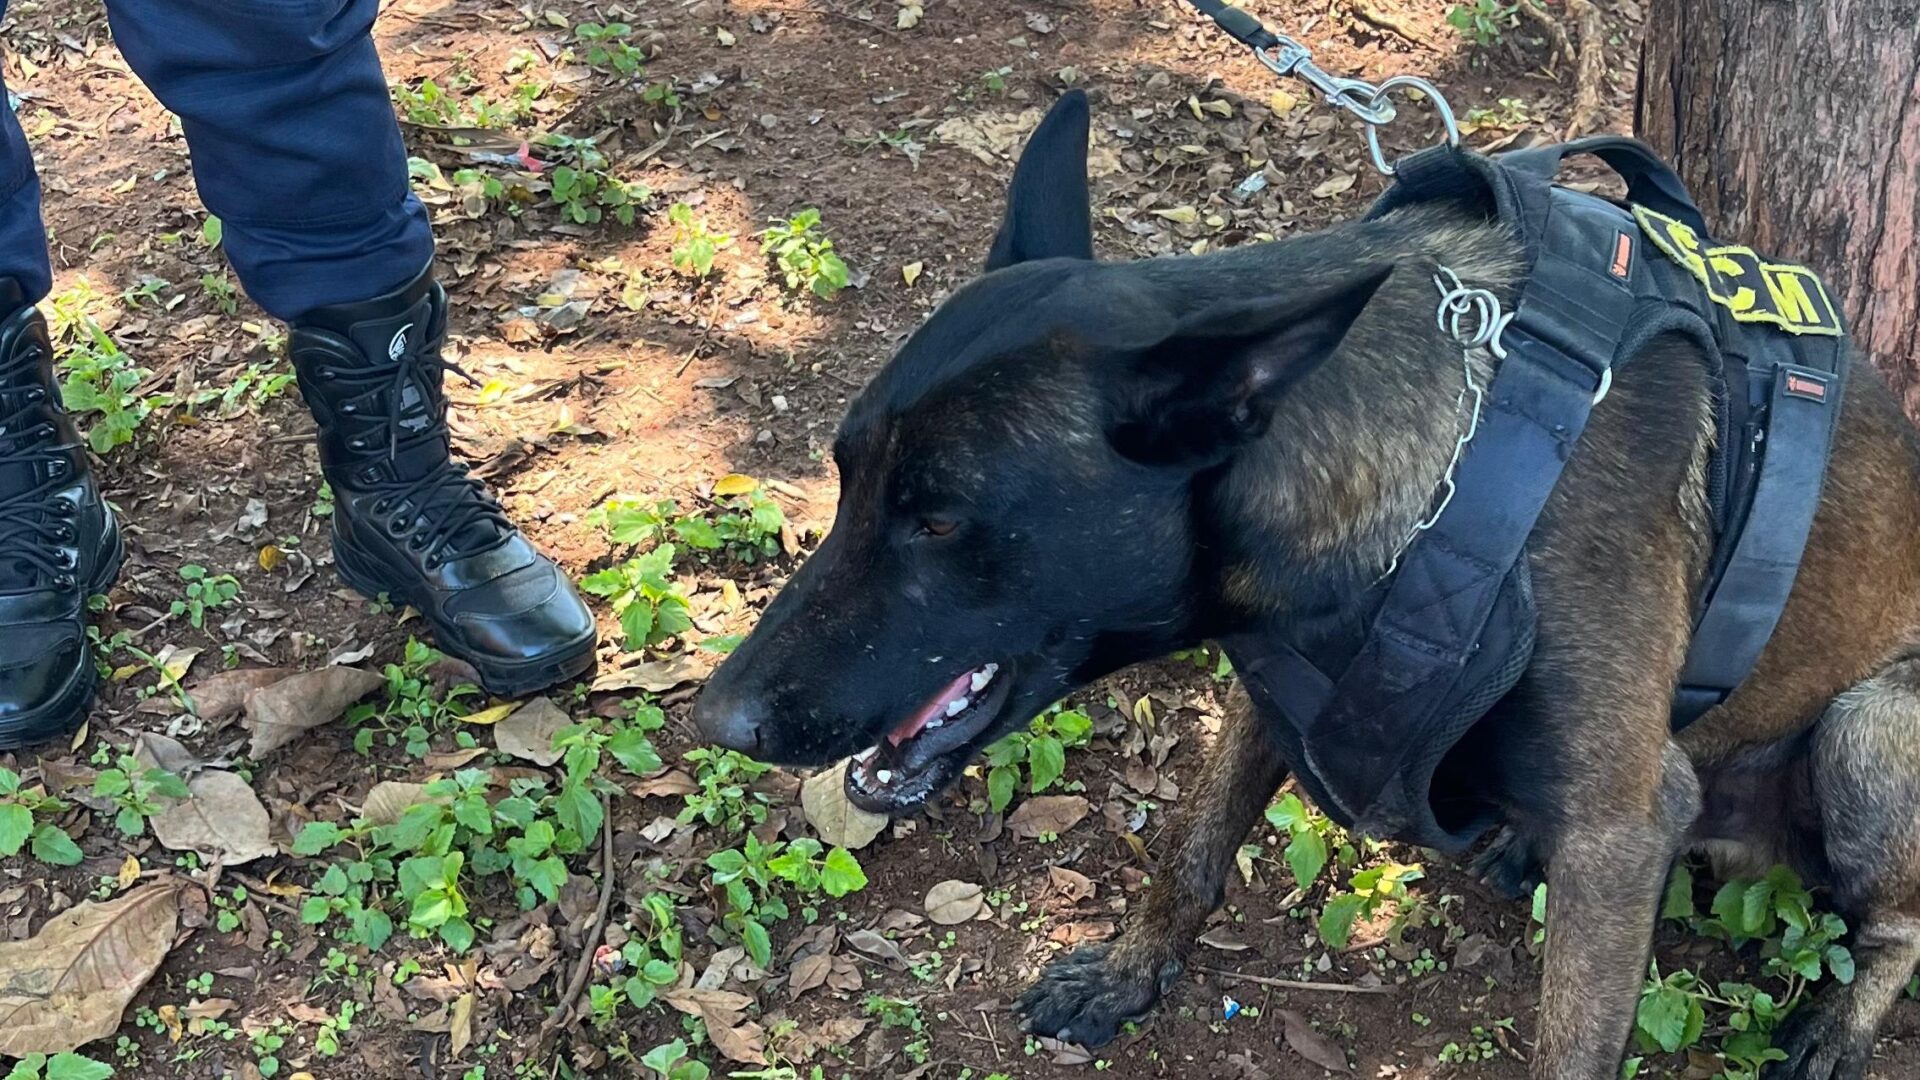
x=1224, y=938
x=734, y=484
x=277, y=714
x=460, y=1023
x=876, y=945
x=69, y=984
x=911, y=272
x=1072, y=884
x=389, y=799
x=492, y=714
x=528, y=733
x=837, y=820
x=222, y=818
x=1334, y=186
x=1312, y=1045
x=218, y=698
x=808, y=972
x=953, y=902
x=1045, y=814
x=653, y=676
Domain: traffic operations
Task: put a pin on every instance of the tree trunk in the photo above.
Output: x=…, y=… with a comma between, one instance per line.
x=1796, y=123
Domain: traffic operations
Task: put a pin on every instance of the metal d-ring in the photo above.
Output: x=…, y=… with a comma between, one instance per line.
x=1440, y=106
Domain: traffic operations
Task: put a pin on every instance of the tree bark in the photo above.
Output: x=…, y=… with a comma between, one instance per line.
x=1796, y=123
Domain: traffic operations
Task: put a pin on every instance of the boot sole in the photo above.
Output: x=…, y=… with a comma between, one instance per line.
x=64, y=714
x=499, y=678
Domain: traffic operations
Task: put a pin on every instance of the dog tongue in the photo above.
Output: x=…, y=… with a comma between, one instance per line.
x=918, y=721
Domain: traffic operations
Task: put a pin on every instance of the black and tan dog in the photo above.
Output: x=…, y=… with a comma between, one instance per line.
x=1075, y=466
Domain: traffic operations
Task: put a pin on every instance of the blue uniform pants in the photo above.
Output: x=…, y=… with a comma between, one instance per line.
x=293, y=141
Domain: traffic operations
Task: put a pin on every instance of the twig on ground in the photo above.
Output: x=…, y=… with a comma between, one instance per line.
x=564, y=1012
x=1373, y=16
x=1293, y=984
x=1590, y=70
x=1562, y=45
x=833, y=14
x=261, y=891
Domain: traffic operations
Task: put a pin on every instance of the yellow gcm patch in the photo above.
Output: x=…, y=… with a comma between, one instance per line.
x=1754, y=290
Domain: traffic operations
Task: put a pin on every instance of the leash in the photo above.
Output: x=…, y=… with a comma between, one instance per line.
x=1372, y=104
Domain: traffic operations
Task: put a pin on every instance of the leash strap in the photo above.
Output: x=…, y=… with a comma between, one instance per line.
x=1238, y=23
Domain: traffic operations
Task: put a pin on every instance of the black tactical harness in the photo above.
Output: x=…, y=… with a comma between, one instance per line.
x=1366, y=714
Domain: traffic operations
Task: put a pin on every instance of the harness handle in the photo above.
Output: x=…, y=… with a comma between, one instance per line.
x=1651, y=182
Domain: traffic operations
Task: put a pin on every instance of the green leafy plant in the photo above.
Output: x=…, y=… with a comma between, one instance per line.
x=723, y=799
x=1484, y=22
x=1310, y=838
x=1735, y=1021
x=586, y=196
x=100, y=380
x=654, y=951
x=204, y=593
x=650, y=607
x=607, y=47
x=695, y=246
x=412, y=712
x=746, y=523
x=222, y=292
x=67, y=1066
x=1369, y=891
x=1041, y=749
x=751, y=878
x=21, y=824
x=805, y=256
x=137, y=790
x=669, y=1061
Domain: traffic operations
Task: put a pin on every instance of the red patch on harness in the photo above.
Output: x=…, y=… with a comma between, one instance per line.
x=1811, y=389
x=1622, y=256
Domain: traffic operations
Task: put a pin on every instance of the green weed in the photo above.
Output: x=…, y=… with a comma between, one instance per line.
x=805, y=256
x=644, y=598
x=204, y=593
x=1484, y=22
x=412, y=713
x=1041, y=750
x=68, y=1066
x=23, y=823
x=136, y=791
x=695, y=246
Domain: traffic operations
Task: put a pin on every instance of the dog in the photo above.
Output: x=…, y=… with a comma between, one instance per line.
x=1074, y=466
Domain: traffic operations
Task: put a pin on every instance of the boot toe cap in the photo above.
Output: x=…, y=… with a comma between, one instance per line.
x=43, y=691
x=525, y=616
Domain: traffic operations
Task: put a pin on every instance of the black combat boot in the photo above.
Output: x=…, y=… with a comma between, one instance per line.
x=408, y=521
x=58, y=541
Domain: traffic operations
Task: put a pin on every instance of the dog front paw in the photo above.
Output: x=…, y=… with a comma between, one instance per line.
x=1820, y=1044
x=1508, y=865
x=1085, y=996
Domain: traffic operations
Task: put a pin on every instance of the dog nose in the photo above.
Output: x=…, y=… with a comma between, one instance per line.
x=730, y=722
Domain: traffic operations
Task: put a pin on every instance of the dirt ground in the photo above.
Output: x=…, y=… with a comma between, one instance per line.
x=602, y=372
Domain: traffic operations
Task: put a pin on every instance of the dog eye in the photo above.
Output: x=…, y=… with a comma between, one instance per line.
x=938, y=526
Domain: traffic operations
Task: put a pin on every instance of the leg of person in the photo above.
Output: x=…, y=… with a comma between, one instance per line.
x=58, y=542
x=295, y=147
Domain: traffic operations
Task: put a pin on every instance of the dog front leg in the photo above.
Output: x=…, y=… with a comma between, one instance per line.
x=1605, y=874
x=1086, y=996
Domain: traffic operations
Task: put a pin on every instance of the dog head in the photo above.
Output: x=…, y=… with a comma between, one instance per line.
x=1016, y=514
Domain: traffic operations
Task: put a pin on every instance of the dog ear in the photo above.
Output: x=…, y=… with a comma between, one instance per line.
x=1048, y=211
x=1211, y=387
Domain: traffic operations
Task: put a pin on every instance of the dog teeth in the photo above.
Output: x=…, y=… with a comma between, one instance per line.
x=866, y=755
x=885, y=776
x=981, y=678
x=956, y=707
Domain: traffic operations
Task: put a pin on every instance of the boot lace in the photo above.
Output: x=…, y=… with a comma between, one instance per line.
x=445, y=515
x=34, y=523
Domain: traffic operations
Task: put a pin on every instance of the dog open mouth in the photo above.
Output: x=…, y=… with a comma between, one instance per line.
x=923, y=753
